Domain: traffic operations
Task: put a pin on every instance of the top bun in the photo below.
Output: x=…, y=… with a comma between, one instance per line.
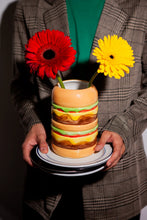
x=76, y=95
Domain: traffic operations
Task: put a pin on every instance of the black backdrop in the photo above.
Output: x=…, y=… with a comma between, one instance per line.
x=12, y=167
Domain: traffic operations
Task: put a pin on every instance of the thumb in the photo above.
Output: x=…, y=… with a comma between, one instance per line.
x=43, y=146
x=102, y=141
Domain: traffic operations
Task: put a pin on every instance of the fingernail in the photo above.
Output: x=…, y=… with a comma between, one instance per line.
x=109, y=164
x=98, y=147
x=43, y=150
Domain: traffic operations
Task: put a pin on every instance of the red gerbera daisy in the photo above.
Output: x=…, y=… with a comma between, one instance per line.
x=48, y=52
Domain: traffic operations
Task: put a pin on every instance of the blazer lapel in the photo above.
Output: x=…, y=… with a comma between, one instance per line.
x=55, y=17
x=112, y=18
x=111, y=22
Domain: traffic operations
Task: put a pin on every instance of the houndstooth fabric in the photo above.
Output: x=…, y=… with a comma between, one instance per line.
x=121, y=192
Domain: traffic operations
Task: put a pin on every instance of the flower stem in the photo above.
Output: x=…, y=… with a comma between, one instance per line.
x=60, y=81
x=92, y=78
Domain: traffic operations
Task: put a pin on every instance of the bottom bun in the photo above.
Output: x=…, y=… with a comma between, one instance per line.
x=73, y=153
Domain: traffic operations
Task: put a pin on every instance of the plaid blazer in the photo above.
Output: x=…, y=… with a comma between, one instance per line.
x=121, y=192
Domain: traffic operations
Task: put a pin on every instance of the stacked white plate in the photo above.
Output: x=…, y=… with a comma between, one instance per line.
x=61, y=166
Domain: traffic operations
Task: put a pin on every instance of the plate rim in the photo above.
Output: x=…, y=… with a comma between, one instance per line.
x=100, y=161
x=79, y=174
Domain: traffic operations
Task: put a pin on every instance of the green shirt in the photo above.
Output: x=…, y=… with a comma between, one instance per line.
x=83, y=18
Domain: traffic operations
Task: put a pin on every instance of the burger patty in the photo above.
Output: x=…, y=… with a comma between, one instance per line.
x=66, y=119
x=67, y=145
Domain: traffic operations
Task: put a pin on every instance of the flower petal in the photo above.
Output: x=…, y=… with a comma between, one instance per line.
x=49, y=40
x=115, y=55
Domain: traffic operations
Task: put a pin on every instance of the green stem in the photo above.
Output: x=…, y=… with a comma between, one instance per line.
x=92, y=78
x=60, y=81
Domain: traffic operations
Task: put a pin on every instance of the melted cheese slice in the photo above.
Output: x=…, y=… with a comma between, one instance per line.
x=75, y=140
x=75, y=115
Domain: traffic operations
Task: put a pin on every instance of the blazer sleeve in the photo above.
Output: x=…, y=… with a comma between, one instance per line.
x=22, y=86
x=131, y=123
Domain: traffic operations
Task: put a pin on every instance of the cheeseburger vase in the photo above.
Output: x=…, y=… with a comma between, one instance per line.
x=74, y=126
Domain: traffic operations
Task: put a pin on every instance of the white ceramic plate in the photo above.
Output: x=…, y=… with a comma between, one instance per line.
x=79, y=174
x=95, y=159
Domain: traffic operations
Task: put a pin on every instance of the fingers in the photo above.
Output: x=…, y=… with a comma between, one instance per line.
x=36, y=136
x=43, y=146
x=117, y=154
x=105, y=138
x=26, y=149
x=118, y=147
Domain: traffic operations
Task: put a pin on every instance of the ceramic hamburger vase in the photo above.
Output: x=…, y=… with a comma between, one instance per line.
x=74, y=126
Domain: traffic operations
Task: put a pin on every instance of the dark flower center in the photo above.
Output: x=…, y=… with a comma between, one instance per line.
x=111, y=56
x=49, y=54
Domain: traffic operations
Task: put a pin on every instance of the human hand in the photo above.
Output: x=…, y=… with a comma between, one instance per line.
x=36, y=136
x=118, y=147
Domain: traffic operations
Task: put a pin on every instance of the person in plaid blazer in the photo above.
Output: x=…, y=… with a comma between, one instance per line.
x=120, y=192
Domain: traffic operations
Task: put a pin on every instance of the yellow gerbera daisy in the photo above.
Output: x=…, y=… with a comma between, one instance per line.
x=115, y=55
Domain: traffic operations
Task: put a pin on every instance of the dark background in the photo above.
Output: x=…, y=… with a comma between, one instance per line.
x=12, y=167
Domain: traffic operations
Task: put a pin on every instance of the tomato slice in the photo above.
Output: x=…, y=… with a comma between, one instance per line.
x=86, y=110
x=75, y=136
